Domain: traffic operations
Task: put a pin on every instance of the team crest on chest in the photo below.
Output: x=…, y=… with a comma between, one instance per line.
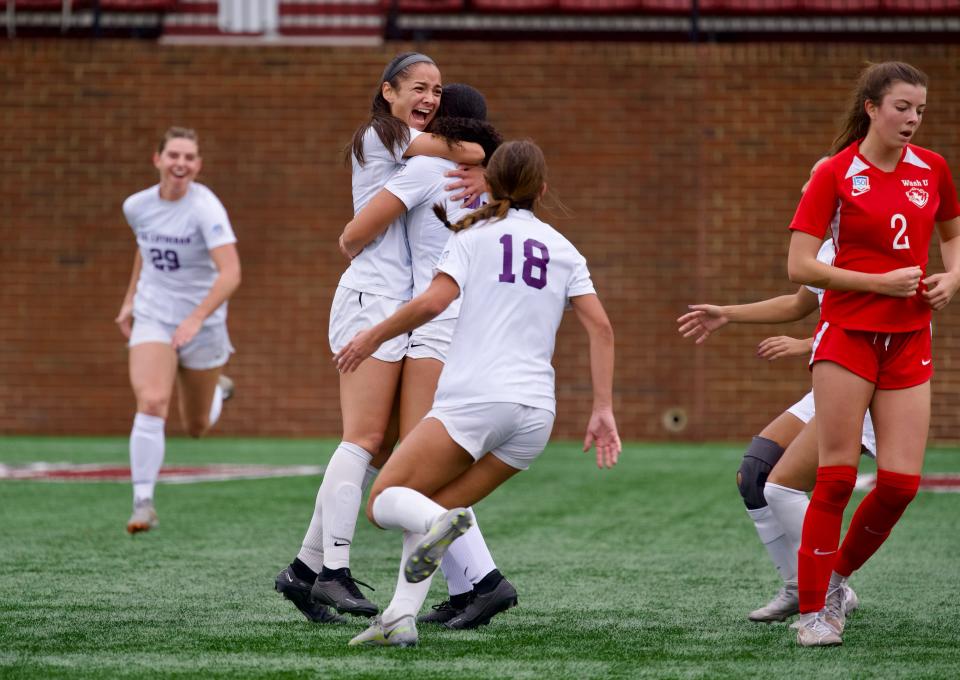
x=917, y=196
x=861, y=185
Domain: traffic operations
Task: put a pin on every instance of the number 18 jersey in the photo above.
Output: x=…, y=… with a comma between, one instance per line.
x=515, y=276
x=880, y=221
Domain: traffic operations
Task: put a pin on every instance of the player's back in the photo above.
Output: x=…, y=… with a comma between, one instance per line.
x=515, y=277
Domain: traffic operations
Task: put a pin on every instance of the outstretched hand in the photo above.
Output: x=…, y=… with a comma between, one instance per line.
x=701, y=321
x=602, y=433
x=471, y=185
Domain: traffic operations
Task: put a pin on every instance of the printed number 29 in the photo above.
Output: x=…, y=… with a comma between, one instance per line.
x=900, y=241
x=164, y=260
x=531, y=262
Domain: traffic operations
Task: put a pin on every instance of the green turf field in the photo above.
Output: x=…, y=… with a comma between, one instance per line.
x=646, y=571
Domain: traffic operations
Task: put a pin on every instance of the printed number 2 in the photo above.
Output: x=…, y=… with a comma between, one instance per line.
x=901, y=241
x=164, y=260
x=531, y=262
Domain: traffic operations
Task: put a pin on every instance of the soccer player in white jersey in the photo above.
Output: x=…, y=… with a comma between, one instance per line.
x=175, y=311
x=495, y=402
x=477, y=590
x=780, y=465
x=378, y=280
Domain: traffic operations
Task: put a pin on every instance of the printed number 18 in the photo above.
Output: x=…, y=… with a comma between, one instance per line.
x=531, y=262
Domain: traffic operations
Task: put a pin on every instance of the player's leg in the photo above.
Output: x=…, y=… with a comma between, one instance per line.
x=842, y=398
x=153, y=369
x=468, y=560
x=366, y=401
x=202, y=387
x=763, y=453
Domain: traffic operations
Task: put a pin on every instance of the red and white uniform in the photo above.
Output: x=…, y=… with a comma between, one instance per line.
x=880, y=221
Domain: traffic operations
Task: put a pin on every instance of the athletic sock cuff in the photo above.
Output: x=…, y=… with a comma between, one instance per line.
x=783, y=489
x=898, y=480
x=359, y=452
x=837, y=473
x=148, y=422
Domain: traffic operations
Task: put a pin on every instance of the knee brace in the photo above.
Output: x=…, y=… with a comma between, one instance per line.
x=761, y=456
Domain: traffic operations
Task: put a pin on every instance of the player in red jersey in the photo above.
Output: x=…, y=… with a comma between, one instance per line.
x=880, y=197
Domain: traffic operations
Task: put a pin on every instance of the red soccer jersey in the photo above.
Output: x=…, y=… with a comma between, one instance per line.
x=880, y=221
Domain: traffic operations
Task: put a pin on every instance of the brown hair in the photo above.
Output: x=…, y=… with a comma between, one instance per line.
x=391, y=130
x=176, y=132
x=874, y=82
x=515, y=175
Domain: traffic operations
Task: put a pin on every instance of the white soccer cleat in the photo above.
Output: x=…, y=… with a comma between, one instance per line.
x=144, y=517
x=841, y=600
x=850, y=600
x=426, y=556
x=784, y=604
x=226, y=386
x=814, y=631
x=399, y=633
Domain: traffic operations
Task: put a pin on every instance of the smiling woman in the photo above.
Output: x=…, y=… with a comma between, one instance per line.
x=378, y=280
x=175, y=311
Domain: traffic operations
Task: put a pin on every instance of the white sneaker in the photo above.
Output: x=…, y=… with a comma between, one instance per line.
x=226, y=386
x=400, y=633
x=784, y=604
x=814, y=631
x=144, y=517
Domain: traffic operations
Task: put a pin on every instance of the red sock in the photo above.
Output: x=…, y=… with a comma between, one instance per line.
x=821, y=533
x=874, y=519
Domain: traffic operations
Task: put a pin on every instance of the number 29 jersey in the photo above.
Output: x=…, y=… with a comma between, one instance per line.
x=515, y=276
x=175, y=240
x=880, y=221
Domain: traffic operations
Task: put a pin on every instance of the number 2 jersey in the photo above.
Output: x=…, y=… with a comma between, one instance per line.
x=175, y=239
x=880, y=221
x=515, y=276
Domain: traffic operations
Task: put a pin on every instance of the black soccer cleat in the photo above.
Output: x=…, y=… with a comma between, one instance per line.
x=439, y=614
x=297, y=591
x=484, y=607
x=338, y=589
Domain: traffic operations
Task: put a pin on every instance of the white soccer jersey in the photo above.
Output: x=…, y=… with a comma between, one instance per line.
x=175, y=240
x=515, y=276
x=420, y=184
x=383, y=266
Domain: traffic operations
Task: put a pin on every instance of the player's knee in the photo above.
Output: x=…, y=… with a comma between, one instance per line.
x=759, y=459
x=197, y=427
x=896, y=491
x=153, y=404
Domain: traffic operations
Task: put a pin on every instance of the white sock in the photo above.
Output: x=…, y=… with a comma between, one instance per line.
x=216, y=406
x=311, y=551
x=408, y=597
x=467, y=561
x=340, y=496
x=779, y=548
x=789, y=506
x=401, y=508
x=146, y=454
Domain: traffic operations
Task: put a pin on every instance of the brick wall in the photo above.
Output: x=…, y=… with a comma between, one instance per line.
x=680, y=166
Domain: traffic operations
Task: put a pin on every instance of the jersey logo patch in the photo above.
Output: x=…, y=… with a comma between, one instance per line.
x=861, y=185
x=918, y=197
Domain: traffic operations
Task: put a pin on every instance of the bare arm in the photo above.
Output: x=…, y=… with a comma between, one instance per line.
x=804, y=268
x=370, y=222
x=428, y=144
x=703, y=320
x=942, y=287
x=125, y=317
x=227, y=262
x=602, y=428
x=442, y=291
x=782, y=346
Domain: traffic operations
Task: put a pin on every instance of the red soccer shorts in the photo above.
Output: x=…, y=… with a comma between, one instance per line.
x=891, y=361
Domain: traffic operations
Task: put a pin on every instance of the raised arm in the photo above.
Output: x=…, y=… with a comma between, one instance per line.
x=602, y=428
x=803, y=267
x=940, y=288
x=703, y=320
x=125, y=317
x=428, y=144
x=227, y=262
x=370, y=222
x=442, y=291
